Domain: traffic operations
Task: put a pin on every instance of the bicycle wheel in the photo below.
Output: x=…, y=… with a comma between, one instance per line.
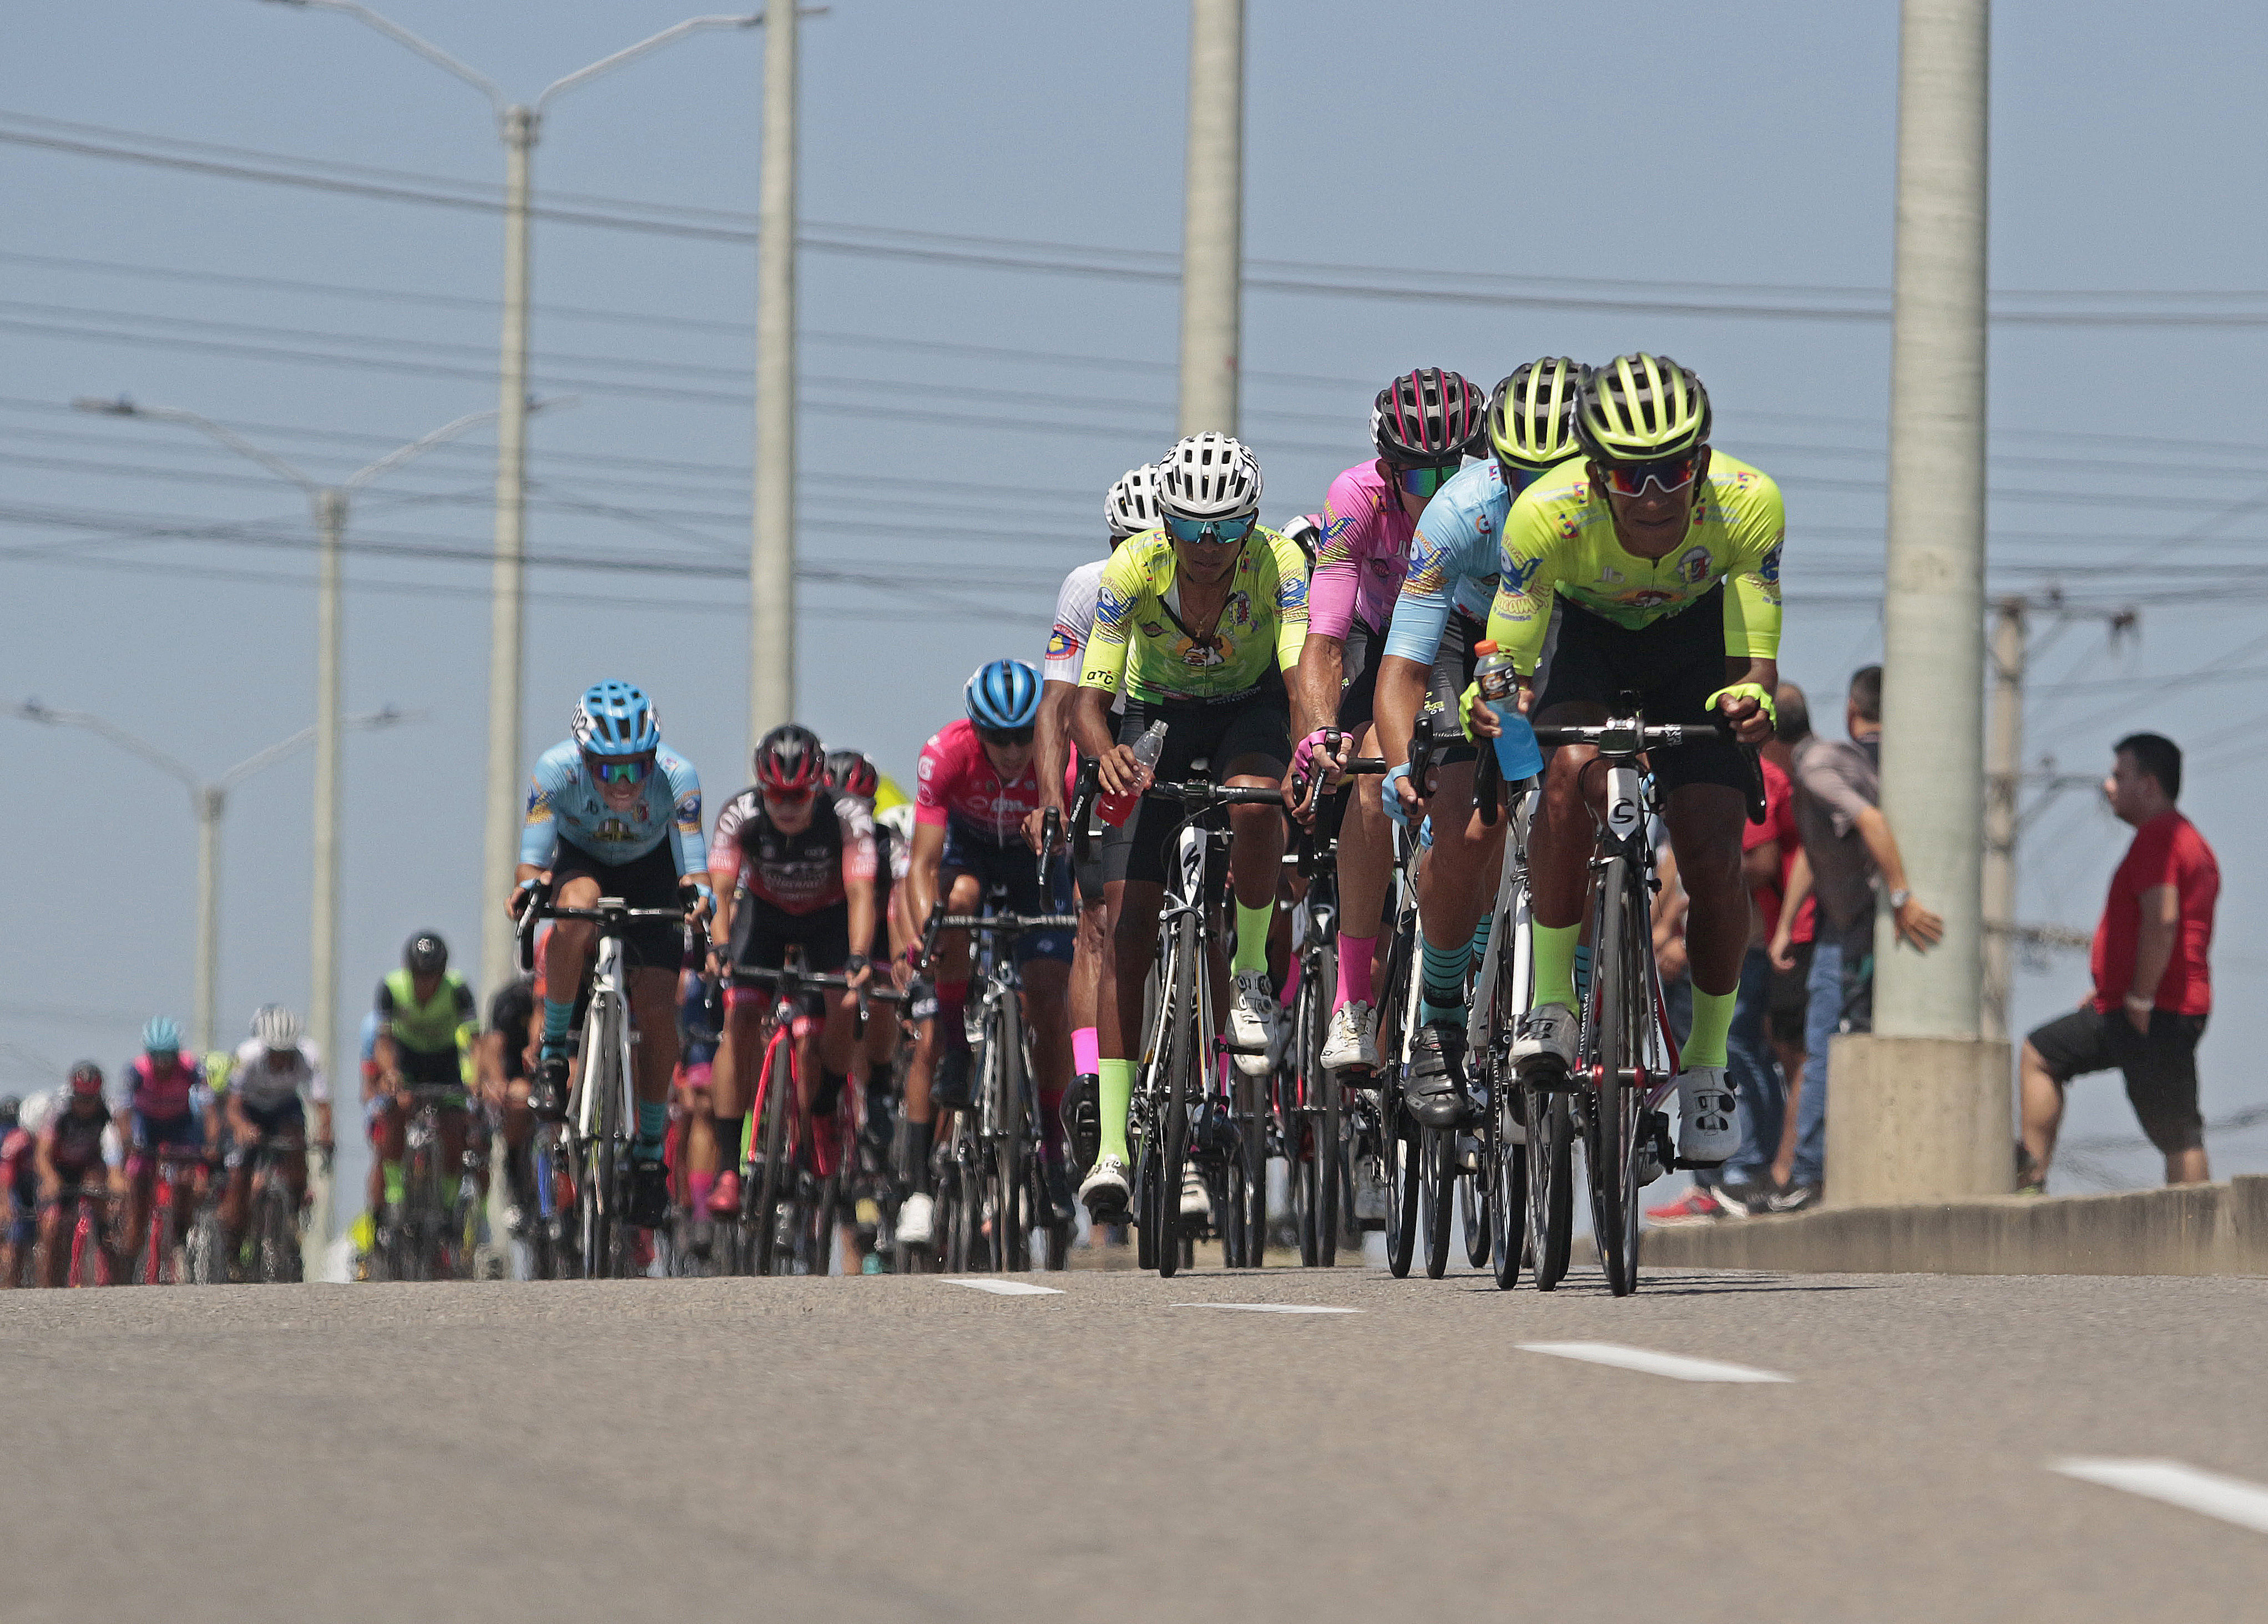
x=1183, y=1055
x=276, y=1245
x=1011, y=1171
x=1506, y=1166
x=769, y=1178
x=1472, y=1199
x=206, y=1262
x=1436, y=1178
x=1610, y=1125
x=1404, y=1176
x=1551, y=1184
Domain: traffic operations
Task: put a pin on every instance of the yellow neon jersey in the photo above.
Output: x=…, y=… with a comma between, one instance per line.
x=1559, y=537
x=1139, y=641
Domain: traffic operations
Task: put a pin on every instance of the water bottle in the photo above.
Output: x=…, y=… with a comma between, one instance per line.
x=1117, y=809
x=1517, y=758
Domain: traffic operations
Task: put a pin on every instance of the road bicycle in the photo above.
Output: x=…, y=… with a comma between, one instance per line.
x=431, y=1237
x=1184, y=1112
x=278, y=1221
x=174, y=1249
x=88, y=1236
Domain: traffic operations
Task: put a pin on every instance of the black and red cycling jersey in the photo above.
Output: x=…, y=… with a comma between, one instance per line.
x=799, y=873
x=74, y=1144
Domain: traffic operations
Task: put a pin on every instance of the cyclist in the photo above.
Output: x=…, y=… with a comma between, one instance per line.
x=272, y=1071
x=1197, y=622
x=76, y=1150
x=19, y=1171
x=613, y=811
x=167, y=1101
x=977, y=790
x=426, y=1024
x=1440, y=613
x=805, y=855
x=1129, y=508
x=500, y=1063
x=1422, y=424
x=1652, y=566
x=853, y=773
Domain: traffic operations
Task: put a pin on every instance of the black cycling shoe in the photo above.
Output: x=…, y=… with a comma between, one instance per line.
x=948, y=1084
x=648, y=1192
x=1062, y=1205
x=547, y=1090
x=1435, y=1089
x=1082, y=1115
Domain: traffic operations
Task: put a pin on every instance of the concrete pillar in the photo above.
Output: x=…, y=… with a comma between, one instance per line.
x=1918, y=1119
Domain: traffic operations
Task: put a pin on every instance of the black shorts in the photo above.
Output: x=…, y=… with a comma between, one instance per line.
x=1454, y=662
x=1221, y=734
x=289, y=1116
x=650, y=881
x=2160, y=1069
x=1359, y=660
x=1791, y=997
x=1673, y=665
x=761, y=935
x=426, y=1069
x=1015, y=869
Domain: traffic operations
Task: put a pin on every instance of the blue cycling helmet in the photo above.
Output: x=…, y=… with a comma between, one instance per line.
x=616, y=718
x=162, y=1035
x=1003, y=696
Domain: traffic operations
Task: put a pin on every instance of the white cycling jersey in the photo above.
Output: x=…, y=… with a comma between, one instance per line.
x=265, y=1079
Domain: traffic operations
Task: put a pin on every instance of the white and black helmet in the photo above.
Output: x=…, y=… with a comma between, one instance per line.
x=276, y=1027
x=1209, y=475
x=1131, y=507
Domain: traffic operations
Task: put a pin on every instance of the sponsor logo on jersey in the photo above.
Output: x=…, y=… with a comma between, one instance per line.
x=1768, y=572
x=1061, y=645
x=1516, y=579
x=1112, y=606
x=614, y=830
x=1693, y=566
x=689, y=809
x=1339, y=527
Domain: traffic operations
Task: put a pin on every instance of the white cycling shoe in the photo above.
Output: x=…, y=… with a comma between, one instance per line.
x=1352, y=1044
x=1196, y=1203
x=1252, y=1022
x=1547, y=1039
x=916, y=1220
x=1104, y=1191
x=1708, y=1118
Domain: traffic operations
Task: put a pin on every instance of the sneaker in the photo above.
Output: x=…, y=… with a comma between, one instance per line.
x=1696, y=1206
x=725, y=1198
x=1708, y=1126
x=1252, y=1022
x=1743, y=1201
x=1195, y=1202
x=648, y=1192
x=1435, y=1091
x=1082, y=1115
x=547, y=1090
x=1063, y=1207
x=948, y=1084
x=916, y=1220
x=1547, y=1040
x=1369, y=1194
x=1352, y=1044
x=1103, y=1192
x=1796, y=1198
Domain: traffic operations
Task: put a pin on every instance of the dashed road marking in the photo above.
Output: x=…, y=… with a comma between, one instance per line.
x=1675, y=1365
x=1273, y=1308
x=1006, y=1287
x=2231, y=1499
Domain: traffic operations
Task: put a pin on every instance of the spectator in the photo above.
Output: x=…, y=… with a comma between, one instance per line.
x=2153, y=989
x=1790, y=926
x=1850, y=849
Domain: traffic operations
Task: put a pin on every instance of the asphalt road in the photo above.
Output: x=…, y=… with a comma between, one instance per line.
x=888, y=1449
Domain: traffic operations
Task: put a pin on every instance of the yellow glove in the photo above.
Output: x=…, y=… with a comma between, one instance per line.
x=1747, y=690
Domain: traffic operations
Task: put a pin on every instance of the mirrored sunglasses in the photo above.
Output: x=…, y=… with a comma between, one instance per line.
x=1672, y=474
x=1212, y=532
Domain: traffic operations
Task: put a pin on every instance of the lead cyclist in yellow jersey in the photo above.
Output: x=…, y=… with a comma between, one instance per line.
x=1650, y=565
x=1198, y=621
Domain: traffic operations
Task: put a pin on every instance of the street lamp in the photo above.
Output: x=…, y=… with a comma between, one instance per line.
x=330, y=503
x=208, y=799
x=518, y=123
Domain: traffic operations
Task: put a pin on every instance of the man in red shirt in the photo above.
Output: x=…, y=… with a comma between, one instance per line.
x=2153, y=989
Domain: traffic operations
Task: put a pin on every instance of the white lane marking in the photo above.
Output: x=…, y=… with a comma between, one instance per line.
x=1273, y=1308
x=1006, y=1287
x=2231, y=1499
x=1676, y=1365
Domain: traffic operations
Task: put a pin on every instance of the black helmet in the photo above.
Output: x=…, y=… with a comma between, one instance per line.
x=1428, y=418
x=425, y=954
x=790, y=759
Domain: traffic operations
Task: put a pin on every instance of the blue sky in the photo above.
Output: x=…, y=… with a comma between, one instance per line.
x=1583, y=178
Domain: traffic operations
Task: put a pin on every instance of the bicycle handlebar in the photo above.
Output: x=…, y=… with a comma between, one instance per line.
x=540, y=908
x=1628, y=735
x=1007, y=922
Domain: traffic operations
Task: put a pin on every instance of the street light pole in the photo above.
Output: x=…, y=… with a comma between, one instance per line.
x=771, y=561
x=1213, y=219
x=518, y=124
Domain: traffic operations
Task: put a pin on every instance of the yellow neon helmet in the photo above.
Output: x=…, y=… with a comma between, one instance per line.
x=1641, y=409
x=1531, y=414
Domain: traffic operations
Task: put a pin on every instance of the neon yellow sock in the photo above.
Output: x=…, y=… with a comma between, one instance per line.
x=396, y=1182
x=1554, y=947
x=1713, y=1018
x=1252, y=936
x=1116, y=1094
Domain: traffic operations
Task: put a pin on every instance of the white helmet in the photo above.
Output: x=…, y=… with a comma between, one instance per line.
x=276, y=1027
x=1209, y=475
x=1131, y=507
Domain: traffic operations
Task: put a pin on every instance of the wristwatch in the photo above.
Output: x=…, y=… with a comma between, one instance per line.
x=1899, y=899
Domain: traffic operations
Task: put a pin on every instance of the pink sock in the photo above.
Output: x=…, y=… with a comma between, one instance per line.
x=1291, y=990
x=1086, y=1052
x=702, y=1183
x=1354, y=968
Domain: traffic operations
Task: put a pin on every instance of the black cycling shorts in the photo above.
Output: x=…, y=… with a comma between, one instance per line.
x=1672, y=664
x=1454, y=662
x=762, y=933
x=1359, y=675
x=2160, y=1069
x=650, y=881
x=1258, y=726
x=1015, y=868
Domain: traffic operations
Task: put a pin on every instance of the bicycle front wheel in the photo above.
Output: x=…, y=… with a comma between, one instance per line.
x=1180, y=1077
x=1610, y=1134
x=1437, y=1179
x=1551, y=1184
x=770, y=1180
x=1505, y=1169
x=1012, y=1212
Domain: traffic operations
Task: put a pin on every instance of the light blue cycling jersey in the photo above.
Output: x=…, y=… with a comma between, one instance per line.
x=563, y=800
x=1452, y=559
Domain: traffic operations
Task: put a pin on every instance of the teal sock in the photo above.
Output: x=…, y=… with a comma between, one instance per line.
x=1481, y=935
x=557, y=1018
x=1713, y=1018
x=1441, y=983
x=653, y=1128
x=1252, y=936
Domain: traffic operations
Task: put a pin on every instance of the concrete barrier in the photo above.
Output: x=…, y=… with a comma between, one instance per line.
x=2202, y=1228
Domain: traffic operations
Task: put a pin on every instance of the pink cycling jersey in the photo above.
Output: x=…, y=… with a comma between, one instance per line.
x=956, y=782
x=162, y=1096
x=1363, y=556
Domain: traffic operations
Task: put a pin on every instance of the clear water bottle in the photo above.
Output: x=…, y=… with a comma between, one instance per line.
x=1117, y=809
x=1517, y=757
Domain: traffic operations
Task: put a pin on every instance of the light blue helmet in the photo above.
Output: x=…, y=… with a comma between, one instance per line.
x=1003, y=696
x=616, y=718
x=162, y=1036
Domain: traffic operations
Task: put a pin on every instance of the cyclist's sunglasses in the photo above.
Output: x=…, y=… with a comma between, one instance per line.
x=787, y=797
x=1672, y=474
x=1212, y=532
x=1006, y=736
x=1423, y=481
x=1517, y=478
x=618, y=768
